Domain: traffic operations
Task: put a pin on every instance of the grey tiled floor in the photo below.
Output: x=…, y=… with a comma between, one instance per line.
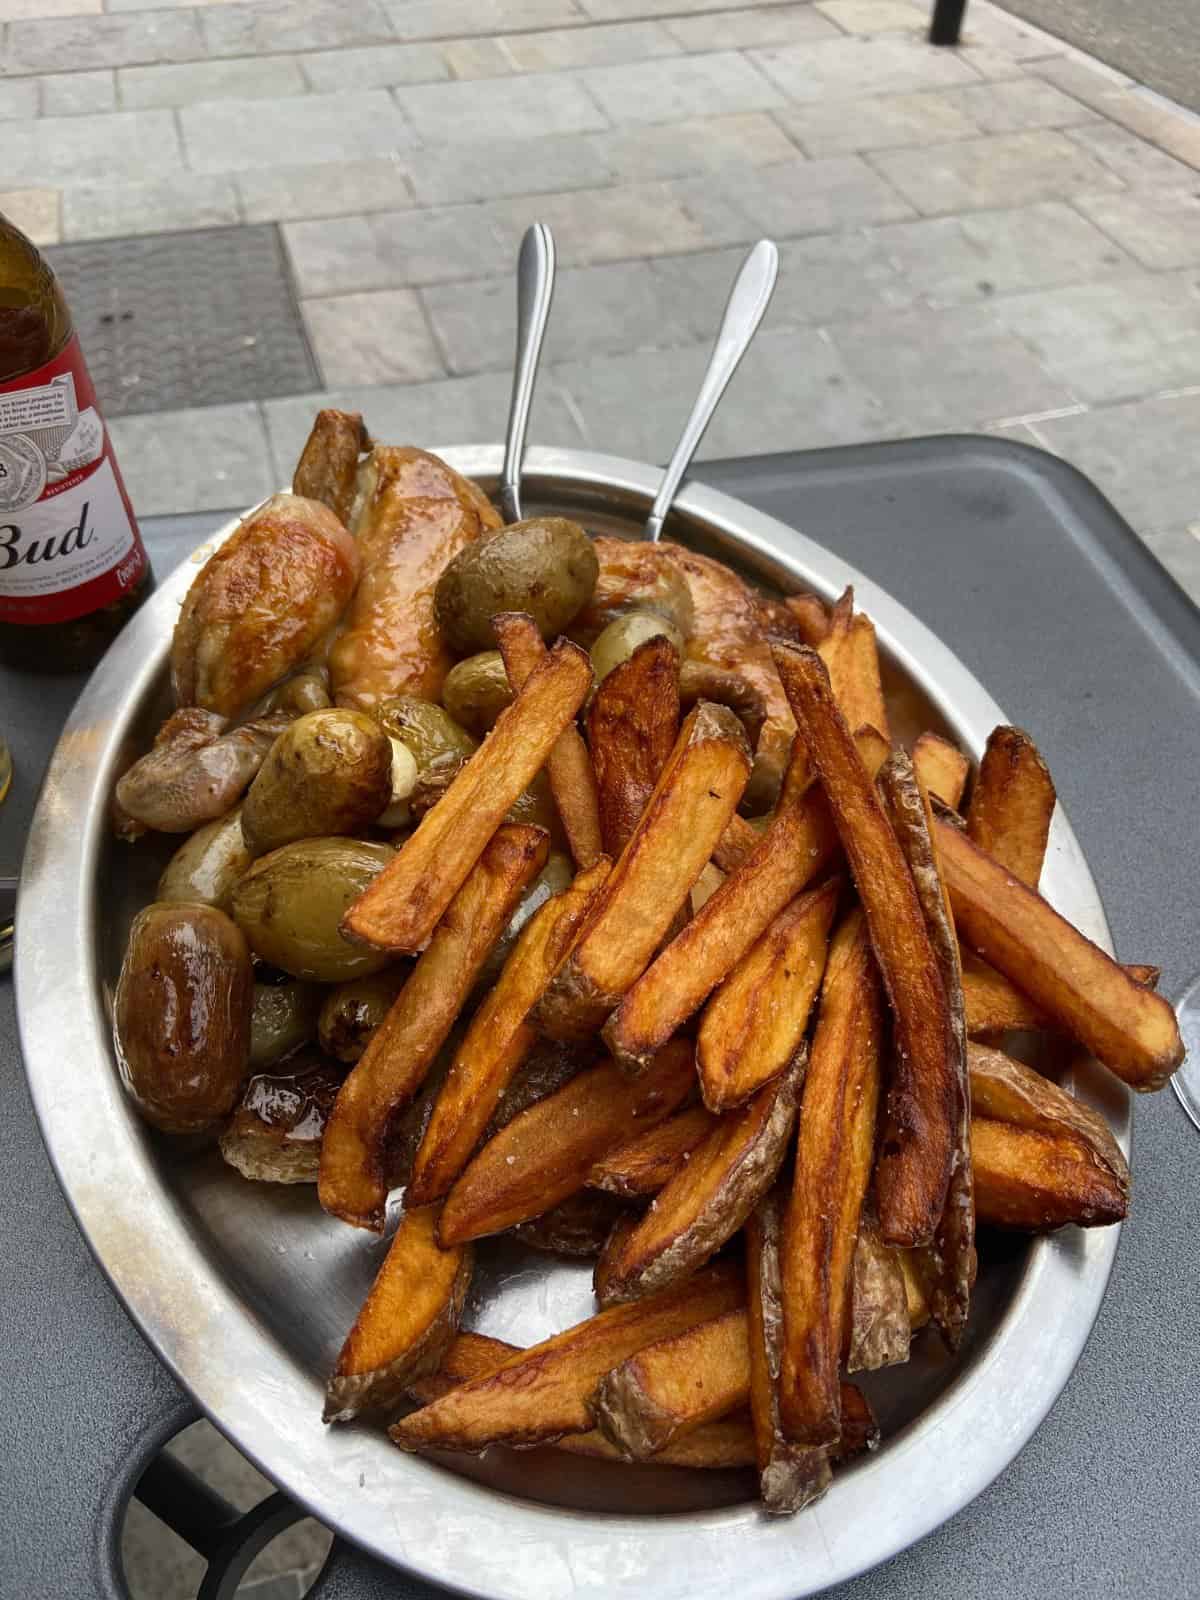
x=1005, y=237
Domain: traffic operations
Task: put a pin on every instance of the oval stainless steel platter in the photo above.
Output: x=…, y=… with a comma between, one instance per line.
x=246, y=1291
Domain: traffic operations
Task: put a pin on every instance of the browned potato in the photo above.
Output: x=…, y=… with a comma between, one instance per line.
x=543, y=566
x=283, y=1017
x=328, y=773
x=207, y=867
x=351, y=1013
x=182, y=1015
x=274, y=1136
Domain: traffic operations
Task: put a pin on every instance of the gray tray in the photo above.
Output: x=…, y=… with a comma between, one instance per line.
x=1032, y=579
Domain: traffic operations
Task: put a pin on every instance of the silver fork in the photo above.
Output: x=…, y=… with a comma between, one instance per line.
x=535, y=292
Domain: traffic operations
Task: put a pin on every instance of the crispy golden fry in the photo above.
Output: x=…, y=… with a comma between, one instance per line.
x=498, y=1039
x=405, y=1323
x=851, y=658
x=353, y=1180
x=403, y=905
x=1006, y=1090
x=541, y=1394
x=572, y=781
x=834, y=1153
x=328, y=466
x=646, y=1163
x=632, y=725
x=953, y=1242
x=1012, y=804
x=811, y=616
x=547, y=1152
x=879, y=1328
x=1081, y=990
x=696, y=794
x=754, y=1024
x=578, y=1226
x=669, y=1388
x=1040, y=1181
x=994, y=1005
x=916, y=1154
x=715, y=1445
x=797, y=846
x=790, y=1476
x=941, y=768
x=707, y=1200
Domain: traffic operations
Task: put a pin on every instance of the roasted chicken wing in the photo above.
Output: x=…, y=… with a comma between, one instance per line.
x=261, y=603
x=328, y=467
x=413, y=513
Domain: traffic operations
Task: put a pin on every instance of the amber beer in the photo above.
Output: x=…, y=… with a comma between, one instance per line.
x=73, y=568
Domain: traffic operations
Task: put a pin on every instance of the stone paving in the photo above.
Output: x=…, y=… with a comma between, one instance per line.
x=1002, y=237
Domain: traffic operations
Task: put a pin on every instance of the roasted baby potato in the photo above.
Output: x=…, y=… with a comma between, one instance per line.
x=274, y=1136
x=545, y=566
x=291, y=902
x=206, y=867
x=351, y=1013
x=283, y=1017
x=182, y=1015
x=624, y=634
x=328, y=773
x=428, y=730
x=477, y=690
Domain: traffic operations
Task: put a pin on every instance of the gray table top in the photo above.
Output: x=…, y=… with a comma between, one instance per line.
x=1046, y=595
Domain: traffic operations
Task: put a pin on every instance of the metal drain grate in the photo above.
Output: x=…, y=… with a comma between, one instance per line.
x=187, y=319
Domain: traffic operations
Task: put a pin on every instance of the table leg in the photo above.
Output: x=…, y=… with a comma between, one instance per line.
x=947, y=21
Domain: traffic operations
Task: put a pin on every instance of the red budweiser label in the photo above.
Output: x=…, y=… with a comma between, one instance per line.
x=68, y=540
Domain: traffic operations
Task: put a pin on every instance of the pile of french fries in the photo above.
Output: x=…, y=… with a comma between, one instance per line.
x=785, y=1108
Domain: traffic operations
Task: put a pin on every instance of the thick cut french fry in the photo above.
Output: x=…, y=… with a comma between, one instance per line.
x=405, y=1323
x=713, y=1446
x=354, y=1152
x=707, y=1200
x=696, y=794
x=790, y=1476
x=632, y=725
x=647, y=1162
x=811, y=616
x=941, y=768
x=1081, y=990
x=547, y=1152
x=498, y=1040
x=834, y=1153
x=755, y=1023
x=1012, y=804
x=541, y=1394
x=1006, y=1090
x=736, y=845
x=879, y=1327
x=568, y=766
x=916, y=1154
x=1040, y=1181
x=404, y=904
x=994, y=1005
x=953, y=1242
x=851, y=658
x=797, y=846
x=669, y=1388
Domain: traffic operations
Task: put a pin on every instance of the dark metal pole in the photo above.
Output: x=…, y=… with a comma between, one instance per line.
x=947, y=21
x=199, y=1515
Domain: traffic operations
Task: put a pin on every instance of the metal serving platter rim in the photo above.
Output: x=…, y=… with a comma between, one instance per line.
x=447, y=1528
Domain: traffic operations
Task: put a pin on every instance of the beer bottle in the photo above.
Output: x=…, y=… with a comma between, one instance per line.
x=73, y=568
